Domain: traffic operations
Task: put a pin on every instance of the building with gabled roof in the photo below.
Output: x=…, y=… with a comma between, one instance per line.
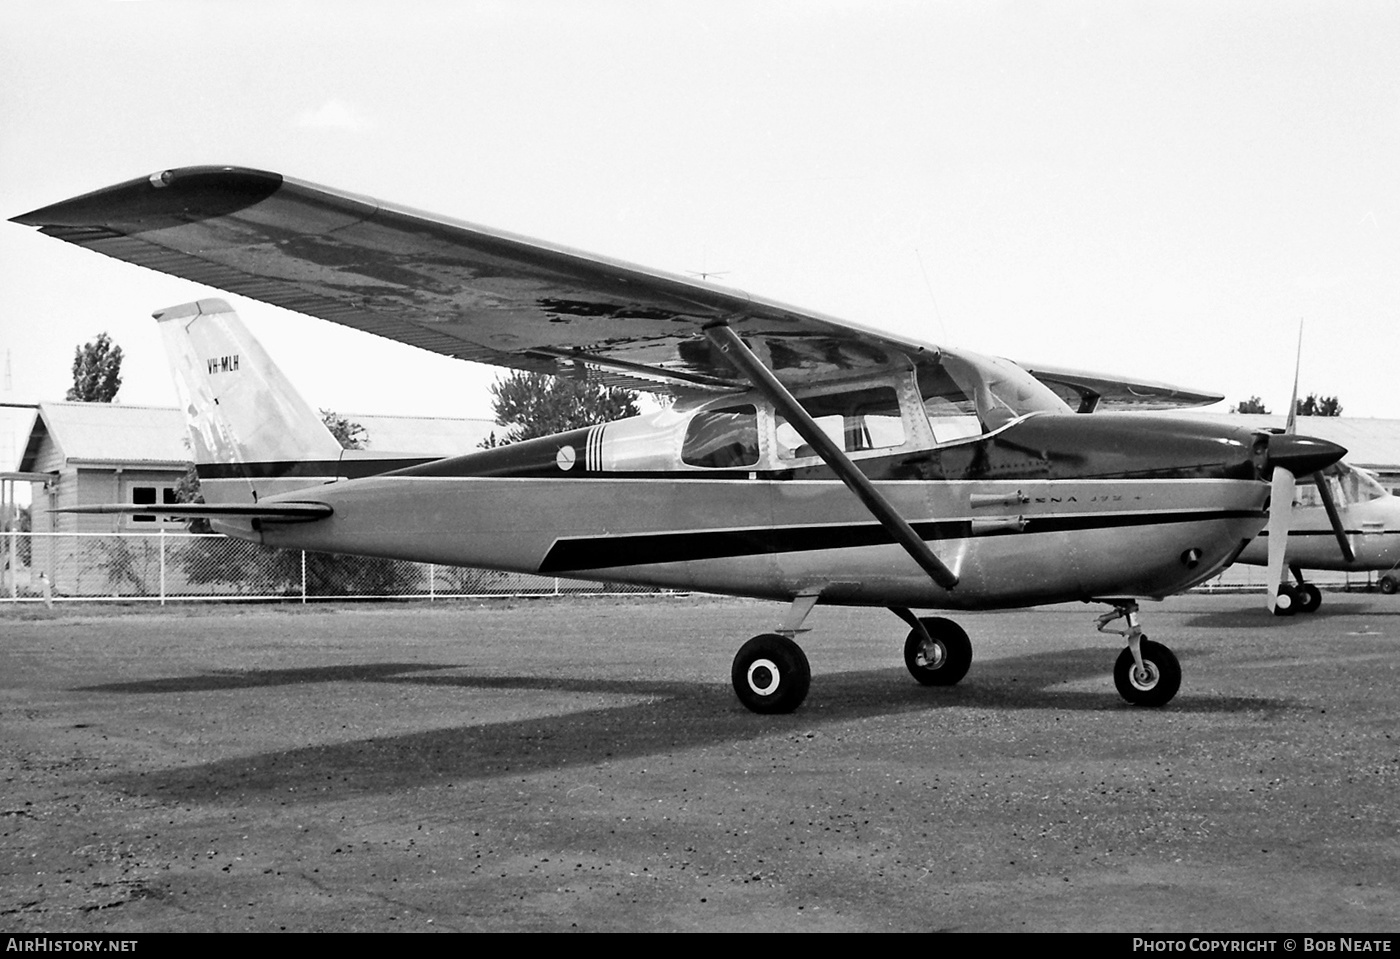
x=113, y=453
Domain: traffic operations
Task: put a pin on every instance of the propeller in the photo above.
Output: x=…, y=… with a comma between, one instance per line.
x=1291, y=455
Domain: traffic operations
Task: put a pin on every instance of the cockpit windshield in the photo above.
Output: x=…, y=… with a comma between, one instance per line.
x=965, y=394
x=1347, y=483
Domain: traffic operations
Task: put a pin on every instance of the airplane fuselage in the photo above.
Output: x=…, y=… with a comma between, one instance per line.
x=1372, y=529
x=1047, y=509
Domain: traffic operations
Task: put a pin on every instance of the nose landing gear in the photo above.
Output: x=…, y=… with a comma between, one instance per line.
x=1303, y=598
x=1146, y=673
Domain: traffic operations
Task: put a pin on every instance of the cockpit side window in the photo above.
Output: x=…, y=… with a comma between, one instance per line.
x=855, y=420
x=725, y=438
x=1359, y=485
x=951, y=410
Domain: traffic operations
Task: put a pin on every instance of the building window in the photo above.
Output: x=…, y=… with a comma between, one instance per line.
x=150, y=496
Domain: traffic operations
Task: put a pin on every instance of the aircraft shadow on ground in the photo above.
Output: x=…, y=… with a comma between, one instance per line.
x=259, y=678
x=1261, y=618
x=676, y=716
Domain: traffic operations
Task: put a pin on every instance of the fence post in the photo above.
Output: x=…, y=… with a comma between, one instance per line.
x=161, y=542
x=14, y=568
x=432, y=582
x=303, y=576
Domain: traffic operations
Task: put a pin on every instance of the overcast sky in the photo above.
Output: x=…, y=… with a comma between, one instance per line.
x=1161, y=189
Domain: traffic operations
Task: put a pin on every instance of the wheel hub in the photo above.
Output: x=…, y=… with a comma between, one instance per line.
x=1146, y=677
x=763, y=677
x=931, y=655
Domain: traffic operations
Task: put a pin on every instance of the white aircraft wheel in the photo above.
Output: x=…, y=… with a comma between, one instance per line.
x=1286, y=601
x=1156, y=683
x=771, y=674
x=1309, y=598
x=942, y=662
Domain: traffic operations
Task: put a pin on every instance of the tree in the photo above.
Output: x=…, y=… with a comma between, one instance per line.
x=1252, y=405
x=188, y=491
x=97, y=371
x=1314, y=405
x=538, y=404
x=349, y=434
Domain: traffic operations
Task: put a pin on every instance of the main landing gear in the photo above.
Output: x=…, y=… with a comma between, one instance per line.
x=1303, y=598
x=937, y=651
x=771, y=673
x=1147, y=673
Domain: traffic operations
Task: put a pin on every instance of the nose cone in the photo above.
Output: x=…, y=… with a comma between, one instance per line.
x=1302, y=455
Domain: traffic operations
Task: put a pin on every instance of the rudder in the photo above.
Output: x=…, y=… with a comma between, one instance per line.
x=250, y=432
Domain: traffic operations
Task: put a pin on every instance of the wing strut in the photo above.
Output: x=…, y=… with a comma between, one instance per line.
x=766, y=383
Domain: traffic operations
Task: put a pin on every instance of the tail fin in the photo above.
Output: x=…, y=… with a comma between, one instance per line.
x=250, y=432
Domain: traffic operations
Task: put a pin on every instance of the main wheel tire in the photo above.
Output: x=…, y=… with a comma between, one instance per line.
x=1389, y=585
x=771, y=674
x=944, y=661
x=1286, y=601
x=1309, y=598
x=1159, y=681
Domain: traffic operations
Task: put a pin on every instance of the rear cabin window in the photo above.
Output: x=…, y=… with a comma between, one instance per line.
x=722, y=439
x=864, y=419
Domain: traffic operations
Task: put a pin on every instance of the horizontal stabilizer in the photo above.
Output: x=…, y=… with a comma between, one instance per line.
x=277, y=512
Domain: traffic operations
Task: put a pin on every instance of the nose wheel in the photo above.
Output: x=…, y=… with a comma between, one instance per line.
x=1302, y=598
x=1155, y=682
x=1146, y=673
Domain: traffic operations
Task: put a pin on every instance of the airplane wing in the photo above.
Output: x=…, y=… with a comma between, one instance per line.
x=455, y=288
x=1088, y=392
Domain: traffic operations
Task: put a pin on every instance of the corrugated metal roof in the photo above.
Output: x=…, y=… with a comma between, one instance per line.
x=429, y=435
x=100, y=433
x=112, y=433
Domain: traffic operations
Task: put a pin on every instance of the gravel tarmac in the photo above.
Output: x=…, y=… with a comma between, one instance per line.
x=582, y=764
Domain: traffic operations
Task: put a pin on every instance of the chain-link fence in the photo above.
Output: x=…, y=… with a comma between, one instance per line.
x=165, y=566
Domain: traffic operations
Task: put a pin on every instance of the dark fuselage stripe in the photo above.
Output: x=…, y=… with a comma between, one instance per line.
x=310, y=469
x=604, y=552
x=1331, y=535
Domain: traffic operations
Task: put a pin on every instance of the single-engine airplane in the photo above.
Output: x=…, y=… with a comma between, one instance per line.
x=1341, y=498
x=805, y=459
x=1347, y=521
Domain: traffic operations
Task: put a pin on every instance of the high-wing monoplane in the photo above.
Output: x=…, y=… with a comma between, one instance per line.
x=804, y=459
x=1344, y=520
x=1337, y=518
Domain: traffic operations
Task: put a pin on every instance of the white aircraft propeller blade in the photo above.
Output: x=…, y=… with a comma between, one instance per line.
x=1280, y=518
x=1281, y=495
